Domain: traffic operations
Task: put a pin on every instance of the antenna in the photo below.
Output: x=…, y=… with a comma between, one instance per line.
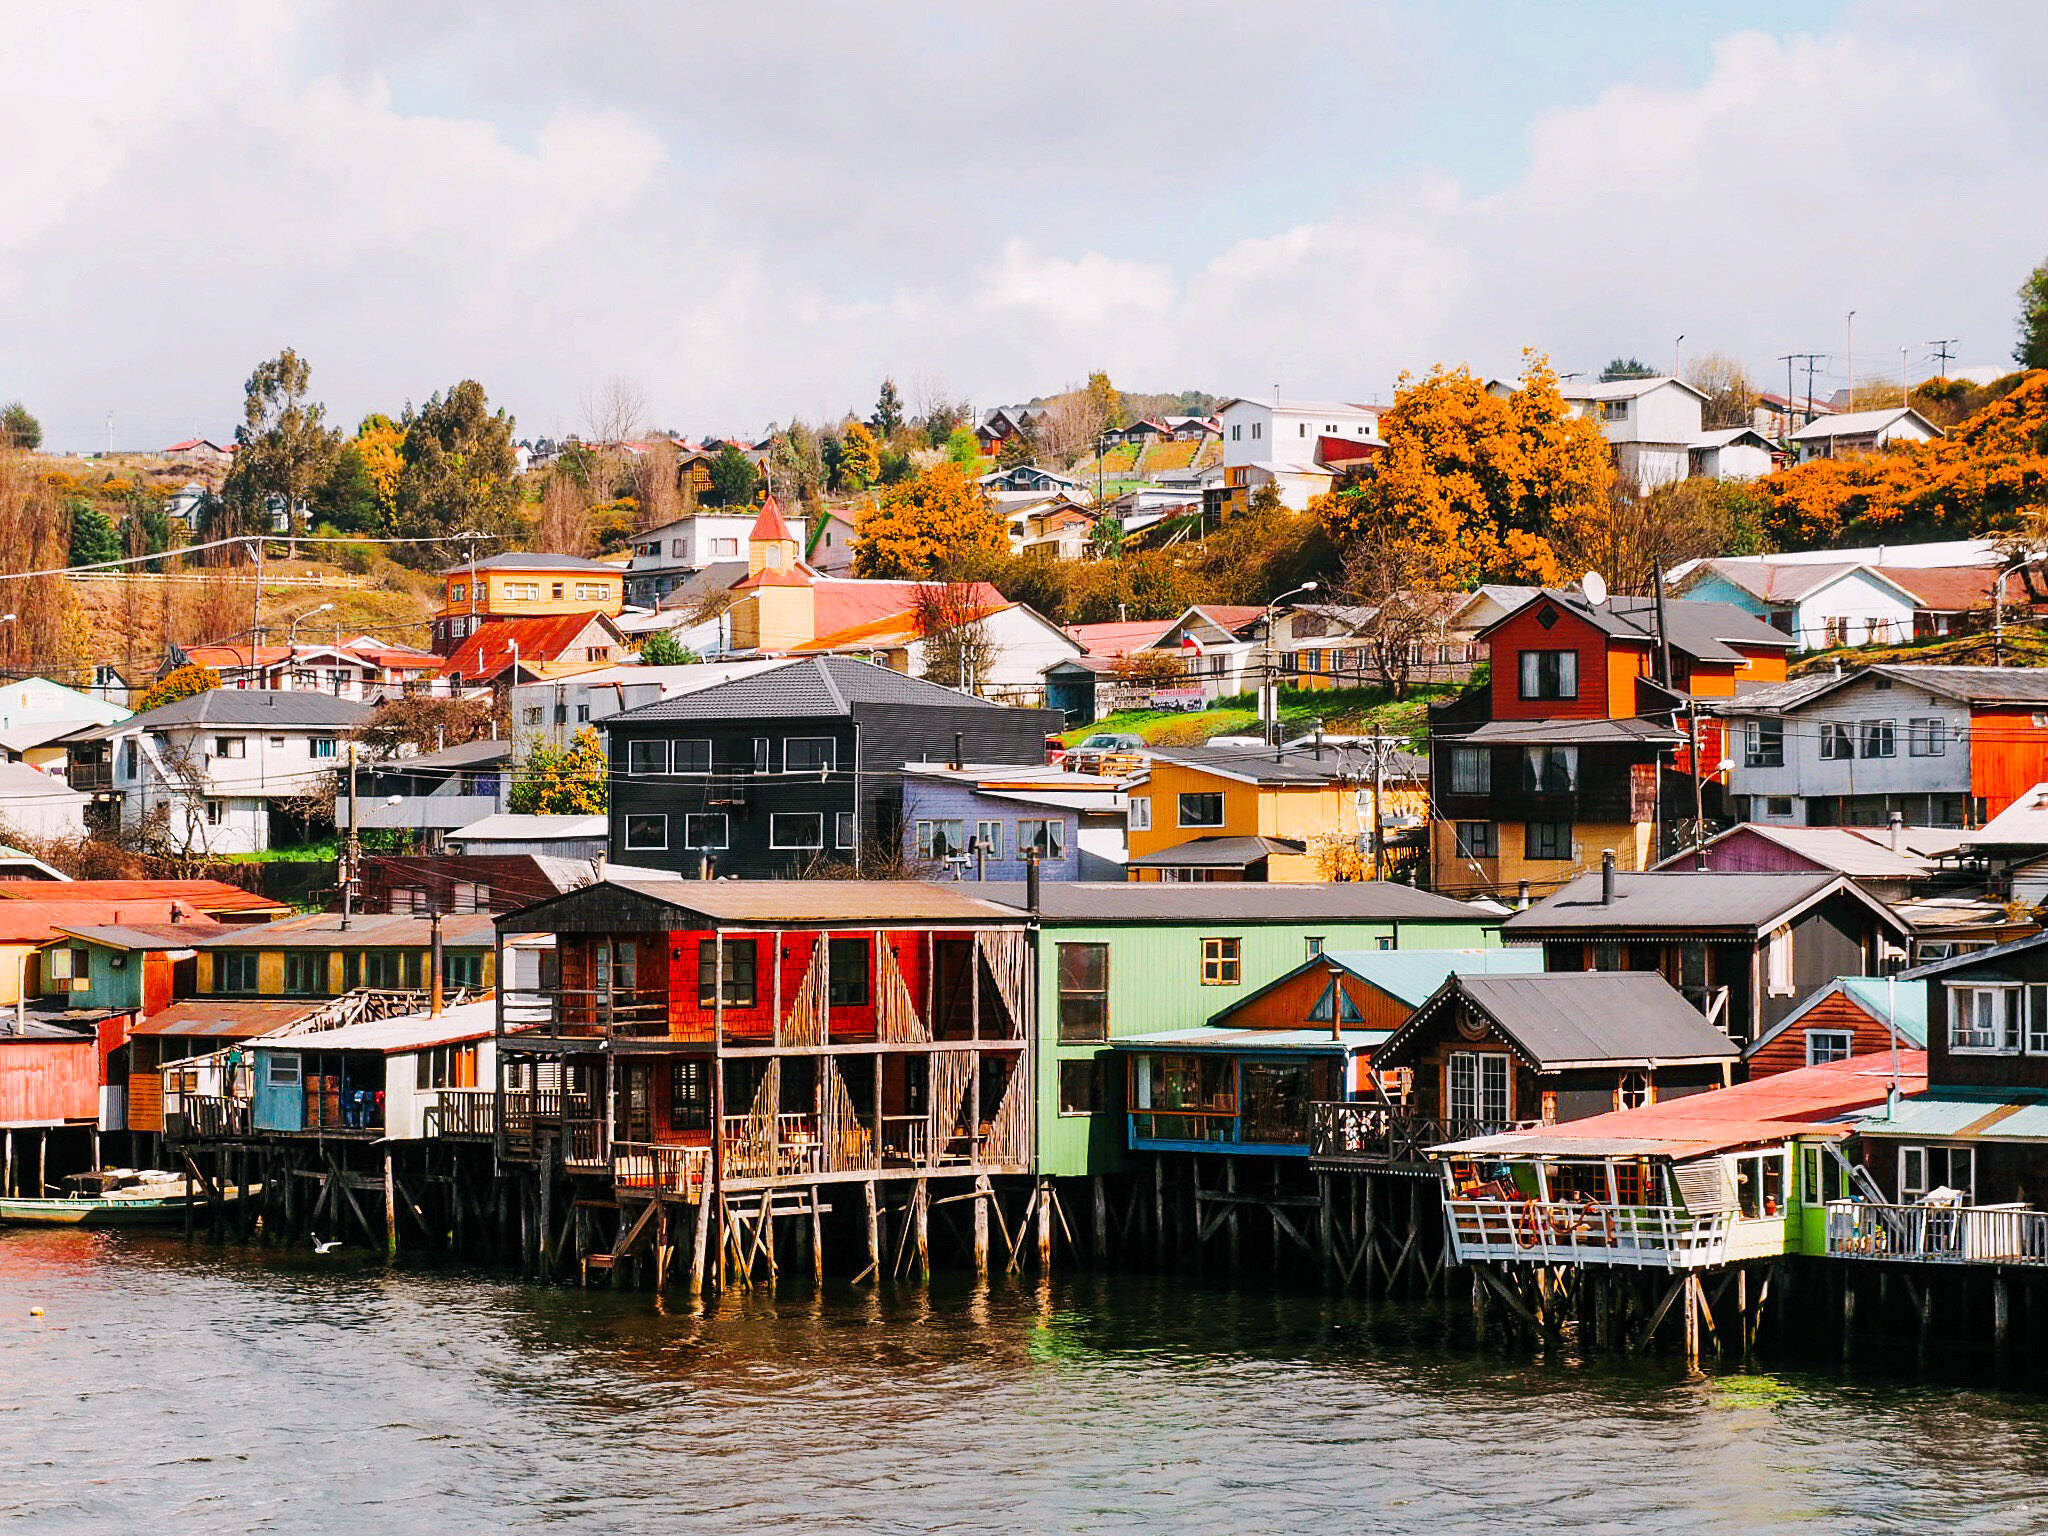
x=1594, y=585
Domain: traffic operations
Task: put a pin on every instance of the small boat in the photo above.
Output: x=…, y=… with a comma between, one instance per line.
x=109, y=1197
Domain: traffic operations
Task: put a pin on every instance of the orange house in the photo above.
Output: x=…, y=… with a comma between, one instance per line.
x=1581, y=741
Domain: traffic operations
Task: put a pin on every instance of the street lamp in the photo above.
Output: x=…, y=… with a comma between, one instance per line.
x=1270, y=677
x=291, y=635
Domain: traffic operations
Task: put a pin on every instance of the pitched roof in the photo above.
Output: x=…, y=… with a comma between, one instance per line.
x=771, y=526
x=531, y=560
x=208, y=896
x=1148, y=901
x=1771, y=582
x=1969, y=685
x=1119, y=638
x=2023, y=824
x=147, y=936
x=268, y=708
x=1735, y=903
x=1409, y=976
x=1559, y=1019
x=1857, y=423
x=37, y=922
x=403, y=1032
x=1706, y=631
x=1946, y=588
x=1598, y=732
x=535, y=639
x=1807, y=1101
x=810, y=686
x=1216, y=853
x=364, y=930
x=1295, y=766
x=840, y=602
x=507, y=826
x=1886, y=999
x=857, y=903
x=1846, y=850
x=19, y=782
x=1625, y=389
x=897, y=629
x=221, y=1019
x=468, y=754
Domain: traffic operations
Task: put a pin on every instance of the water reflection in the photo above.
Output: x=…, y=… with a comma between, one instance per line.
x=175, y=1390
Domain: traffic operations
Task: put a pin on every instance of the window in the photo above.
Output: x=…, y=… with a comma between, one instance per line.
x=397, y=969
x=1478, y=840
x=284, y=1069
x=1926, y=738
x=1823, y=1177
x=1763, y=744
x=690, y=757
x=305, y=971
x=1925, y=1168
x=533, y=714
x=842, y=829
x=1778, y=805
x=1614, y=410
x=1084, y=991
x=1048, y=836
x=1550, y=674
x=1982, y=1021
x=235, y=971
x=230, y=746
x=1140, y=819
x=1635, y=1090
x=1826, y=1045
x=689, y=1096
x=461, y=970
x=1082, y=1086
x=809, y=754
x=321, y=746
x=705, y=829
x=988, y=838
x=591, y=592
x=646, y=832
x=1222, y=962
x=1201, y=810
x=1550, y=770
x=1471, y=771
x=725, y=547
x=1759, y=1185
x=1547, y=840
x=523, y=591
x=1476, y=1087
x=582, y=714
x=128, y=758
x=741, y=958
x=941, y=839
x=458, y=592
x=216, y=812
x=1836, y=741
x=846, y=966
x=796, y=829
x=647, y=757
x=1778, y=962
x=1314, y=945
x=2037, y=1020
x=1879, y=738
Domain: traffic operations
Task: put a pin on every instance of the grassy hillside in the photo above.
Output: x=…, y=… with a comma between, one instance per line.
x=1343, y=711
x=2026, y=645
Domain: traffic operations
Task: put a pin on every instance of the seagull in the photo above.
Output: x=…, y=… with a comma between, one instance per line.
x=325, y=1245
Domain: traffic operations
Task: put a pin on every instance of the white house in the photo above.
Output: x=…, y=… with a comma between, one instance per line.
x=1831, y=437
x=554, y=709
x=1820, y=605
x=664, y=557
x=1279, y=443
x=1730, y=453
x=36, y=804
x=1650, y=425
x=214, y=771
x=1022, y=644
x=35, y=714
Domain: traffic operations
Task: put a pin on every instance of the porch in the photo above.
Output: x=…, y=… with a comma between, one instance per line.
x=1380, y=1136
x=1578, y=1233
x=1937, y=1234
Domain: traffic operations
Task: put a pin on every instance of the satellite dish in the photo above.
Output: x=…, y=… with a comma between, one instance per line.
x=1594, y=585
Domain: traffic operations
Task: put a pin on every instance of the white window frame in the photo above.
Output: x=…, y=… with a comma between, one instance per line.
x=690, y=837
x=1139, y=818
x=1761, y=750
x=675, y=764
x=1821, y=1046
x=640, y=845
x=831, y=753
x=1529, y=674
x=1878, y=738
x=1837, y=741
x=775, y=837
x=1478, y=1068
x=1055, y=838
x=1778, y=962
x=1994, y=1030
x=647, y=756
x=1915, y=1179
x=927, y=828
x=989, y=836
x=1926, y=736
x=232, y=747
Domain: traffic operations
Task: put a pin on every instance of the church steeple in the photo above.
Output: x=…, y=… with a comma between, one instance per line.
x=771, y=546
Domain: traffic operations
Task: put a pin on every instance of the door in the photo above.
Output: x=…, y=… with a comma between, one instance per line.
x=635, y=1109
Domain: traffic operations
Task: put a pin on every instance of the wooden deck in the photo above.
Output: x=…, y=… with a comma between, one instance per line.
x=1587, y=1233
x=1374, y=1136
x=1924, y=1234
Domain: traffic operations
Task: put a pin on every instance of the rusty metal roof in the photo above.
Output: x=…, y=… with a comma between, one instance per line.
x=214, y=1019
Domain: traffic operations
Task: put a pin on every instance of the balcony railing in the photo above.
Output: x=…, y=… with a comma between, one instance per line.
x=906, y=1140
x=661, y=1167
x=1568, y=1232
x=1210, y=1124
x=596, y=1013
x=1936, y=1234
x=205, y=1116
x=463, y=1112
x=1376, y=1134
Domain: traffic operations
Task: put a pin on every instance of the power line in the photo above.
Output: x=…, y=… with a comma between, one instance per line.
x=1943, y=351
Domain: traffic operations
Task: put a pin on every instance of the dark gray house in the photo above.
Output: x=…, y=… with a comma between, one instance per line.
x=801, y=764
x=1744, y=948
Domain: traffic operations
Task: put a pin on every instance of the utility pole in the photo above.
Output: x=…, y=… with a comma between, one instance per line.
x=1812, y=362
x=1851, y=323
x=1943, y=351
x=348, y=848
x=1699, y=793
x=1379, y=790
x=256, y=610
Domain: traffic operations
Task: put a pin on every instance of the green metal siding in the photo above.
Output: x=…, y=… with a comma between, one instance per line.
x=111, y=988
x=1155, y=983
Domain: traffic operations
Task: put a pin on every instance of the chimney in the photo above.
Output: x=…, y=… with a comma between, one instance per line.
x=1607, y=878
x=177, y=913
x=959, y=750
x=1898, y=830
x=434, y=968
x=1521, y=896
x=1031, y=898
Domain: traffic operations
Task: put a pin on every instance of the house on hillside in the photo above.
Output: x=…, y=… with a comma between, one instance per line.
x=1821, y=606
x=1850, y=1016
x=1031, y=478
x=1002, y=424
x=1651, y=425
x=523, y=585
x=231, y=771
x=1939, y=746
x=583, y=839
x=36, y=714
x=506, y=652
x=794, y=765
x=665, y=557
x=1849, y=432
x=980, y=821
x=430, y=794
x=1281, y=443
x=554, y=709
x=1744, y=949
x=1731, y=453
x=201, y=453
x=1892, y=864
x=1020, y=643
x=1576, y=747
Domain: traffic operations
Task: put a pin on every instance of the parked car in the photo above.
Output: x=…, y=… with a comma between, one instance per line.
x=1090, y=755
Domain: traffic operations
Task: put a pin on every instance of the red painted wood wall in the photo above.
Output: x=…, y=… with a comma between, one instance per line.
x=2008, y=755
x=42, y=1081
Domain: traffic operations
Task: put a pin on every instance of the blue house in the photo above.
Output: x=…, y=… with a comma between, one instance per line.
x=979, y=820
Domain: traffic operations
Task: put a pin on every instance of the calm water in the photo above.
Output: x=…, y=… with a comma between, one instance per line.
x=167, y=1391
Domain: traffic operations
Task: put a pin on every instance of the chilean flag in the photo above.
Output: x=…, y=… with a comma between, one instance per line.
x=1188, y=642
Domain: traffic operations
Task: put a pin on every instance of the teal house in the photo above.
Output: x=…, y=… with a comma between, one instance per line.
x=1118, y=960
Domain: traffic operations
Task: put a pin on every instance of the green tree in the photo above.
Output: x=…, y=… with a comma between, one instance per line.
x=460, y=473
x=348, y=500
x=93, y=539
x=734, y=480
x=662, y=649
x=564, y=781
x=1020, y=447
x=963, y=447
x=1105, y=403
x=183, y=683
x=1626, y=368
x=2032, y=351
x=18, y=429
x=284, y=448
x=860, y=458
x=888, y=411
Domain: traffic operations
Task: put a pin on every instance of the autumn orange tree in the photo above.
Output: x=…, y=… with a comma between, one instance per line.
x=928, y=525
x=1492, y=486
x=860, y=457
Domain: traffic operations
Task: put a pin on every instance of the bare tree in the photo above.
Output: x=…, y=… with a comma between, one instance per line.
x=614, y=410
x=1069, y=427
x=1400, y=581
x=655, y=485
x=1731, y=398
x=951, y=620
x=562, y=526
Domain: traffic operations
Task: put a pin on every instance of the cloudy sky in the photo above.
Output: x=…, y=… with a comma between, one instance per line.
x=755, y=211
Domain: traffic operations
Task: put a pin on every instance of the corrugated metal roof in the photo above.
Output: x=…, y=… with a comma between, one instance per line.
x=1216, y=853
x=816, y=685
x=365, y=930
x=1208, y=1038
x=253, y=707
x=407, y=1032
x=212, y=896
x=1956, y=1114
x=1537, y=733
x=1845, y=850
x=1698, y=900
x=147, y=936
x=1412, y=976
x=1297, y=765
x=1562, y=1018
x=858, y=903
x=506, y=826
x=209, y=1018
x=1239, y=902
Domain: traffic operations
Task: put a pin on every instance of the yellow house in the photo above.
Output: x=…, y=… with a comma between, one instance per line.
x=314, y=955
x=1224, y=814
x=523, y=585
